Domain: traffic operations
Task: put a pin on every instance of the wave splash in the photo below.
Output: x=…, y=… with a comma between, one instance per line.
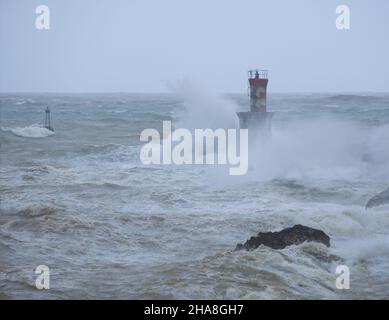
x=32, y=131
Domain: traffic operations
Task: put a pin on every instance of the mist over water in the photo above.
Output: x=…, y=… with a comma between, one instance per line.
x=81, y=202
x=323, y=149
x=203, y=108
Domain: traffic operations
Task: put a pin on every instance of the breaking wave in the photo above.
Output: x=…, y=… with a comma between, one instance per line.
x=33, y=131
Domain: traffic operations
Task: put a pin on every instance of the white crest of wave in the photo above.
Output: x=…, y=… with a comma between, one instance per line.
x=33, y=131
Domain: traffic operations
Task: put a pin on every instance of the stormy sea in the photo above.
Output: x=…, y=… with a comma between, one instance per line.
x=80, y=201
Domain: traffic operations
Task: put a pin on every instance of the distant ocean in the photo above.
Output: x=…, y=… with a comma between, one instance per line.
x=81, y=202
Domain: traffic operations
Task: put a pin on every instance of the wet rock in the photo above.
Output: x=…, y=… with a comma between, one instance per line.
x=289, y=236
x=379, y=200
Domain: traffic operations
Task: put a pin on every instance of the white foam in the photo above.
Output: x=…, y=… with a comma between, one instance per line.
x=33, y=131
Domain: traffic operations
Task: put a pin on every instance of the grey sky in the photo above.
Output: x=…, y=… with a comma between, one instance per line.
x=141, y=45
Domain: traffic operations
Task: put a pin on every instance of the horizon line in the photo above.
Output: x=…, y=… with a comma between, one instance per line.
x=172, y=93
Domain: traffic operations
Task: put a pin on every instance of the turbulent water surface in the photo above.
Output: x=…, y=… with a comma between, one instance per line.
x=81, y=202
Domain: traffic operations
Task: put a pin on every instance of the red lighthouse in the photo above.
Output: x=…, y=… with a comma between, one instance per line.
x=258, y=84
x=257, y=118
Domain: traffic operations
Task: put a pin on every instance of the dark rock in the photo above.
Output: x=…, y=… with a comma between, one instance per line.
x=289, y=236
x=379, y=200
